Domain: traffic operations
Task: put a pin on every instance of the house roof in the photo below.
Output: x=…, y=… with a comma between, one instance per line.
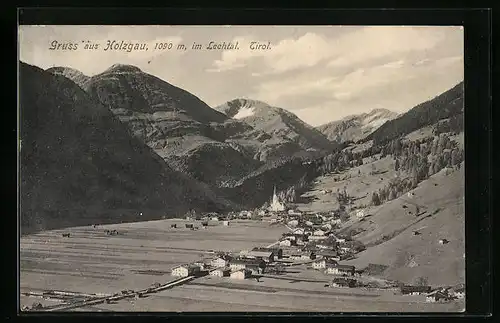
x=341, y=267
x=246, y=261
x=415, y=289
x=261, y=253
x=188, y=266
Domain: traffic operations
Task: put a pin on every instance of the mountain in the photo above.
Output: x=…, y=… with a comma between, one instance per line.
x=356, y=127
x=74, y=75
x=79, y=165
x=276, y=131
x=180, y=127
x=446, y=105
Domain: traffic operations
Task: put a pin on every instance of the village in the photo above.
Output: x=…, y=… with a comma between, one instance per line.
x=311, y=241
x=311, y=250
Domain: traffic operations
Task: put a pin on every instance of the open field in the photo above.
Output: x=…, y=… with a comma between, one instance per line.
x=143, y=253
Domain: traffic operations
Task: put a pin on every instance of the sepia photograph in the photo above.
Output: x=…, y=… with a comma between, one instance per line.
x=169, y=168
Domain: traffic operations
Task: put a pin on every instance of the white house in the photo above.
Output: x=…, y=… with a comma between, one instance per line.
x=218, y=262
x=293, y=223
x=241, y=274
x=200, y=264
x=336, y=221
x=316, y=238
x=285, y=243
x=322, y=263
x=319, y=232
x=360, y=214
x=336, y=269
x=226, y=223
x=299, y=231
x=345, y=249
x=220, y=272
x=411, y=194
x=326, y=227
x=214, y=218
x=185, y=270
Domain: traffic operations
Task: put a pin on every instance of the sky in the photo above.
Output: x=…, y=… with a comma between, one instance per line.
x=320, y=73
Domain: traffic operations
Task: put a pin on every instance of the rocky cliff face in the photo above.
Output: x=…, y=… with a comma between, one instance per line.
x=79, y=165
x=178, y=126
x=275, y=131
x=356, y=127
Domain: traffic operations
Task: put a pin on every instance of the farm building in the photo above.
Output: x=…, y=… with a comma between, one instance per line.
x=322, y=263
x=277, y=252
x=185, y=270
x=336, y=221
x=189, y=225
x=289, y=236
x=287, y=243
x=255, y=266
x=415, y=290
x=220, y=272
x=241, y=274
x=204, y=223
x=226, y=223
x=298, y=231
x=329, y=254
x=343, y=282
x=301, y=239
x=336, y=269
x=437, y=296
x=319, y=232
x=267, y=256
x=303, y=256
x=294, y=212
x=316, y=238
x=326, y=227
x=458, y=291
x=173, y=226
x=443, y=241
x=203, y=264
x=360, y=214
x=218, y=262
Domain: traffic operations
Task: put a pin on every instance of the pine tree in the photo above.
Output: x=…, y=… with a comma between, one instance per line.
x=392, y=194
x=454, y=157
x=375, y=199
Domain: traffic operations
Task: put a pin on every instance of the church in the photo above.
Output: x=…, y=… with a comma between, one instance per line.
x=276, y=204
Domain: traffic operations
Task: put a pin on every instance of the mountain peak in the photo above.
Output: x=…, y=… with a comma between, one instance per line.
x=73, y=74
x=123, y=68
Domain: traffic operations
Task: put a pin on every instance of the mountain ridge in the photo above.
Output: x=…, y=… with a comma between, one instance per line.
x=357, y=126
x=79, y=165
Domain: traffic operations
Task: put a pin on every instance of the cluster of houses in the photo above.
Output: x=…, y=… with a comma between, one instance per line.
x=242, y=266
x=441, y=294
x=320, y=239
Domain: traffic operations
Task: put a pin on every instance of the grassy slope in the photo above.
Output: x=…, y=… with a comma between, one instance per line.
x=441, y=264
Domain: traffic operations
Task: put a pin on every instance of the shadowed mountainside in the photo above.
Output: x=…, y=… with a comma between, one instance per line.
x=79, y=165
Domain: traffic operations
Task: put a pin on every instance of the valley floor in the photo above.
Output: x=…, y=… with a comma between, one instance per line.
x=89, y=261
